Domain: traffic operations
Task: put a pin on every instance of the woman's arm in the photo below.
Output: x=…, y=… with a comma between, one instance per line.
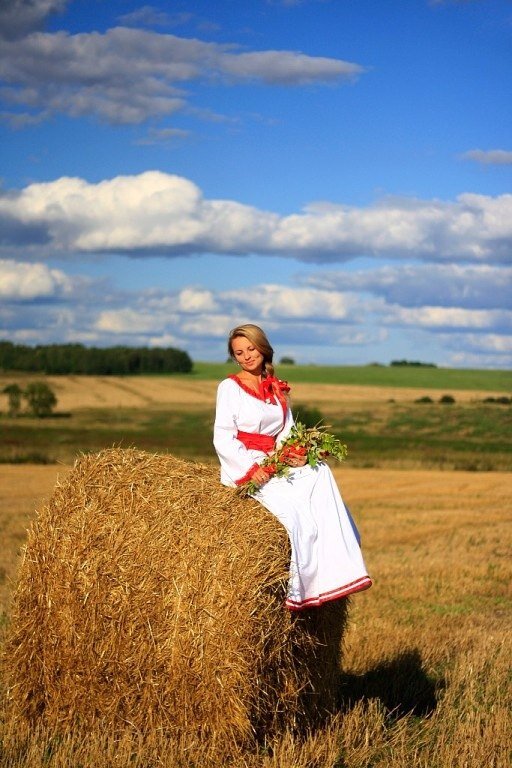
x=236, y=461
x=288, y=424
x=294, y=460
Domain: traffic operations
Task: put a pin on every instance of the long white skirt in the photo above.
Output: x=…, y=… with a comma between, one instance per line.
x=326, y=560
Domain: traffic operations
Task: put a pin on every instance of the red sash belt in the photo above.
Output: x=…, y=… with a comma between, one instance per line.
x=257, y=441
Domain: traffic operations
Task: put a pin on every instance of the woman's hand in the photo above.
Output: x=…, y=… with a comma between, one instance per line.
x=294, y=456
x=295, y=461
x=260, y=476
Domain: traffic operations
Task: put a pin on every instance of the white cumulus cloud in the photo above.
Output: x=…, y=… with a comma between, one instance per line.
x=411, y=285
x=479, y=350
x=277, y=302
x=25, y=281
x=159, y=213
x=127, y=321
x=60, y=308
x=443, y=318
x=489, y=342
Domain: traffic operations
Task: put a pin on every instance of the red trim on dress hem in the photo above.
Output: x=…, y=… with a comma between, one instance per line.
x=311, y=602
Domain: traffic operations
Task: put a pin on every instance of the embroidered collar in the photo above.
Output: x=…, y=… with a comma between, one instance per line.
x=274, y=387
x=269, y=387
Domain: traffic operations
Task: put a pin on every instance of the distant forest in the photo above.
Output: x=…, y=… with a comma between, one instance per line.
x=76, y=358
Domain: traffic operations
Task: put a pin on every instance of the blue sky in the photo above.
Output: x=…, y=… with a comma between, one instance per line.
x=336, y=171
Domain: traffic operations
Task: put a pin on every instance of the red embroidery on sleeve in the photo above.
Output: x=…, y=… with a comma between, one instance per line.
x=248, y=475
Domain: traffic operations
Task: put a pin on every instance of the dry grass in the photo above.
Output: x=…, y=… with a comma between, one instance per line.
x=426, y=679
x=437, y=621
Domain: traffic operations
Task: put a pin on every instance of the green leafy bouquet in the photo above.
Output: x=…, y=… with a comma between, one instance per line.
x=315, y=443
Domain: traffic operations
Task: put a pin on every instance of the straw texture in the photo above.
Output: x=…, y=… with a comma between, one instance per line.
x=150, y=600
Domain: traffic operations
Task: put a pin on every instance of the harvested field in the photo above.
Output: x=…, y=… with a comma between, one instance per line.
x=427, y=659
x=402, y=428
x=81, y=392
x=22, y=490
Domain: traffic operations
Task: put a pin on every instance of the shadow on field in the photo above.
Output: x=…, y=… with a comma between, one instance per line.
x=400, y=684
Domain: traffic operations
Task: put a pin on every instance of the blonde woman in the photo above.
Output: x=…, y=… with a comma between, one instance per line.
x=253, y=415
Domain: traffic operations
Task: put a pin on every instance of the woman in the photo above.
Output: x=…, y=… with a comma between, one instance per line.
x=253, y=415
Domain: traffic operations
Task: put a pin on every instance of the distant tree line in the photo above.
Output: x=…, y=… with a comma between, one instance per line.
x=78, y=359
x=414, y=363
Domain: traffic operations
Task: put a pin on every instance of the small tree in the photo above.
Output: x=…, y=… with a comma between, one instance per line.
x=14, y=393
x=287, y=360
x=40, y=398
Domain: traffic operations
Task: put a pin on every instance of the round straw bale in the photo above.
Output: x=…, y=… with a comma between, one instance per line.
x=151, y=598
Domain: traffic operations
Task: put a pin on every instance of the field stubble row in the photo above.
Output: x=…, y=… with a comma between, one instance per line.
x=426, y=668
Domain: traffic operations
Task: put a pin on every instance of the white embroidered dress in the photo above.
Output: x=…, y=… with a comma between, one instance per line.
x=326, y=560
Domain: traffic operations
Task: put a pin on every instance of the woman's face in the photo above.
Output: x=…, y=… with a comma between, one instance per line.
x=249, y=356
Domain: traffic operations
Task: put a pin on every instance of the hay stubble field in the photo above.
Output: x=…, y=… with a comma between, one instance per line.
x=426, y=671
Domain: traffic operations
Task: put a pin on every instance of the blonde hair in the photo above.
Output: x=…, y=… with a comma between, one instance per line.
x=256, y=336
